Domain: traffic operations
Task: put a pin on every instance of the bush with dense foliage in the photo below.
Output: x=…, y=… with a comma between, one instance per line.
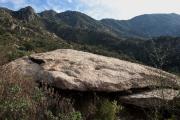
x=107, y=110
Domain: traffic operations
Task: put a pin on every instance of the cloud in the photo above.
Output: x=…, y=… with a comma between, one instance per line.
x=125, y=9
x=70, y=1
x=15, y=2
x=12, y=1
x=55, y=5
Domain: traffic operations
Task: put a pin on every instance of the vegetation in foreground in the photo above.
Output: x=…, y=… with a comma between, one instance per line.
x=23, y=99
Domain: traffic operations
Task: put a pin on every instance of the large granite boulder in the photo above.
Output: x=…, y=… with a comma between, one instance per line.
x=82, y=71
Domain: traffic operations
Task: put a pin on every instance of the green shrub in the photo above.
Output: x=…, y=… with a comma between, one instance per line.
x=107, y=110
x=14, y=54
x=71, y=116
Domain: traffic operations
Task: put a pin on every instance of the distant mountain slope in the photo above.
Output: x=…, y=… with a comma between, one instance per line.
x=24, y=32
x=77, y=27
x=148, y=25
x=75, y=19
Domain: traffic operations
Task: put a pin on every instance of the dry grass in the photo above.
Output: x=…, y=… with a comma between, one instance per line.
x=17, y=96
x=21, y=99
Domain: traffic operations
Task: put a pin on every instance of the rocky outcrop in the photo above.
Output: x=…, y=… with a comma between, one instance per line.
x=152, y=98
x=28, y=14
x=81, y=71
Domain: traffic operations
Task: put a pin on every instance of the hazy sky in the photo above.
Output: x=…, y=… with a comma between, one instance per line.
x=118, y=9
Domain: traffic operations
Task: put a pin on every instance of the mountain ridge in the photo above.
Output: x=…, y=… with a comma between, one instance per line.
x=148, y=25
x=24, y=34
x=142, y=26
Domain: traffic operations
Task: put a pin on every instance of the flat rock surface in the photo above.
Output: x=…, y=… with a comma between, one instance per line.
x=83, y=71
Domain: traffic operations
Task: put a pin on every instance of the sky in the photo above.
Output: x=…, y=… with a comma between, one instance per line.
x=98, y=9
